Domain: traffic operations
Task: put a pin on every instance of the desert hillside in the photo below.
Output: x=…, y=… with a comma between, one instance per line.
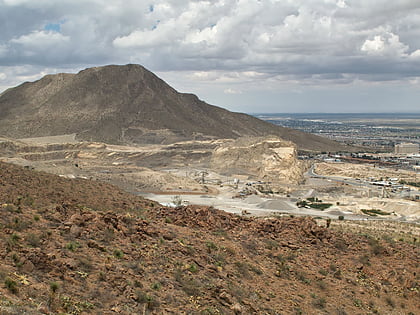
x=86, y=247
x=128, y=104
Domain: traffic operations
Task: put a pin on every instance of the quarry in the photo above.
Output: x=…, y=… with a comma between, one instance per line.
x=255, y=176
x=120, y=195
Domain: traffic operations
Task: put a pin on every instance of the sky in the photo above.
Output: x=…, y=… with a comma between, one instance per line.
x=250, y=56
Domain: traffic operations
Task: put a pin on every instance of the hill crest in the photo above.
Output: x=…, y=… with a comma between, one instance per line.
x=128, y=104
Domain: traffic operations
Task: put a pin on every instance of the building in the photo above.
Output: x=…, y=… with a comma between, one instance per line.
x=406, y=148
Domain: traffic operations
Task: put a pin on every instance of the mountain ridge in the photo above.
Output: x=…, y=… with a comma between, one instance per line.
x=128, y=104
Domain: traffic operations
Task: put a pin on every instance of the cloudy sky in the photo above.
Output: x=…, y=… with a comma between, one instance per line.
x=244, y=55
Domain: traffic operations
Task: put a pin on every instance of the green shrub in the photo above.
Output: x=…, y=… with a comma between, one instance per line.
x=118, y=253
x=54, y=286
x=211, y=246
x=11, y=285
x=156, y=286
x=193, y=268
x=72, y=246
x=319, y=302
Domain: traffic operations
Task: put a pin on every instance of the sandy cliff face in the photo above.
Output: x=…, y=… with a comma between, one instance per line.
x=270, y=159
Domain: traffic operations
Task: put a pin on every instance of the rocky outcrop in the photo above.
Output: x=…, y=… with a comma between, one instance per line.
x=269, y=159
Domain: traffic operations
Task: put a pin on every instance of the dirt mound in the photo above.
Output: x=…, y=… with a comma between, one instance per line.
x=94, y=249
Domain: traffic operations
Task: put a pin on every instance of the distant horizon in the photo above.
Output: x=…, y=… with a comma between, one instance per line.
x=338, y=113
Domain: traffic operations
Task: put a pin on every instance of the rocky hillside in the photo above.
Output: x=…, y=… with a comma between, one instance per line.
x=128, y=104
x=83, y=247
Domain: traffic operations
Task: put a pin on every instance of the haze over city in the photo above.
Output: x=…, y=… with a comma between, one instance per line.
x=245, y=55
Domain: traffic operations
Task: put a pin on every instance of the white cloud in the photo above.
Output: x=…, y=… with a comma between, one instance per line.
x=264, y=43
x=232, y=91
x=387, y=44
x=39, y=39
x=415, y=54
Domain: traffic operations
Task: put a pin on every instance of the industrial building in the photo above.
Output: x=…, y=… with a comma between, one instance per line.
x=406, y=148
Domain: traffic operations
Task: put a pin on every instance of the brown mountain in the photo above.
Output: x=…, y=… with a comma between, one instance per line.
x=128, y=104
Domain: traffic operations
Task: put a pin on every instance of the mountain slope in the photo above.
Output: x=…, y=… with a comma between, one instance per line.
x=128, y=104
x=85, y=247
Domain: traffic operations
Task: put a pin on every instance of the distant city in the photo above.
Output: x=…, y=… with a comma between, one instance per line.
x=378, y=131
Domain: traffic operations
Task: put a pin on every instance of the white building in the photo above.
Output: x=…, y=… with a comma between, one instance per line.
x=406, y=148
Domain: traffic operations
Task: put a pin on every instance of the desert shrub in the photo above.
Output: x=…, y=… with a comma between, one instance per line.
x=156, y=286
x=376, y=248
x=365, y=260
x=319, y=302
x=193, y=268
x=301, y=276
x=390, y=302
x=283, y=270
x=13, y=239
x=242, y=269
x=72, y=306
x=341, y=311
x=118, y=253
x=33, y=240
x=102, y=276
x=271, y=244
x=321, y=284
x=15, y=257
x=11, y=285
x=357, y=303
x=54, y=286
x=211, y=246
x=72, y=246
x=341, y=217
x=190, y=286
x=210, y=311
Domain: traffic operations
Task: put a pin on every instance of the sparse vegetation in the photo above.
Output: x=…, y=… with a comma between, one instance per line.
x=11, y=285
x=54, y=286
x=118, y=253
x=222, y=263
x=314, y=203
x=156, y=286
x=72, y=246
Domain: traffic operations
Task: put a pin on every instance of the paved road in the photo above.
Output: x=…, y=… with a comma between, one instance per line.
x=340, y=179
